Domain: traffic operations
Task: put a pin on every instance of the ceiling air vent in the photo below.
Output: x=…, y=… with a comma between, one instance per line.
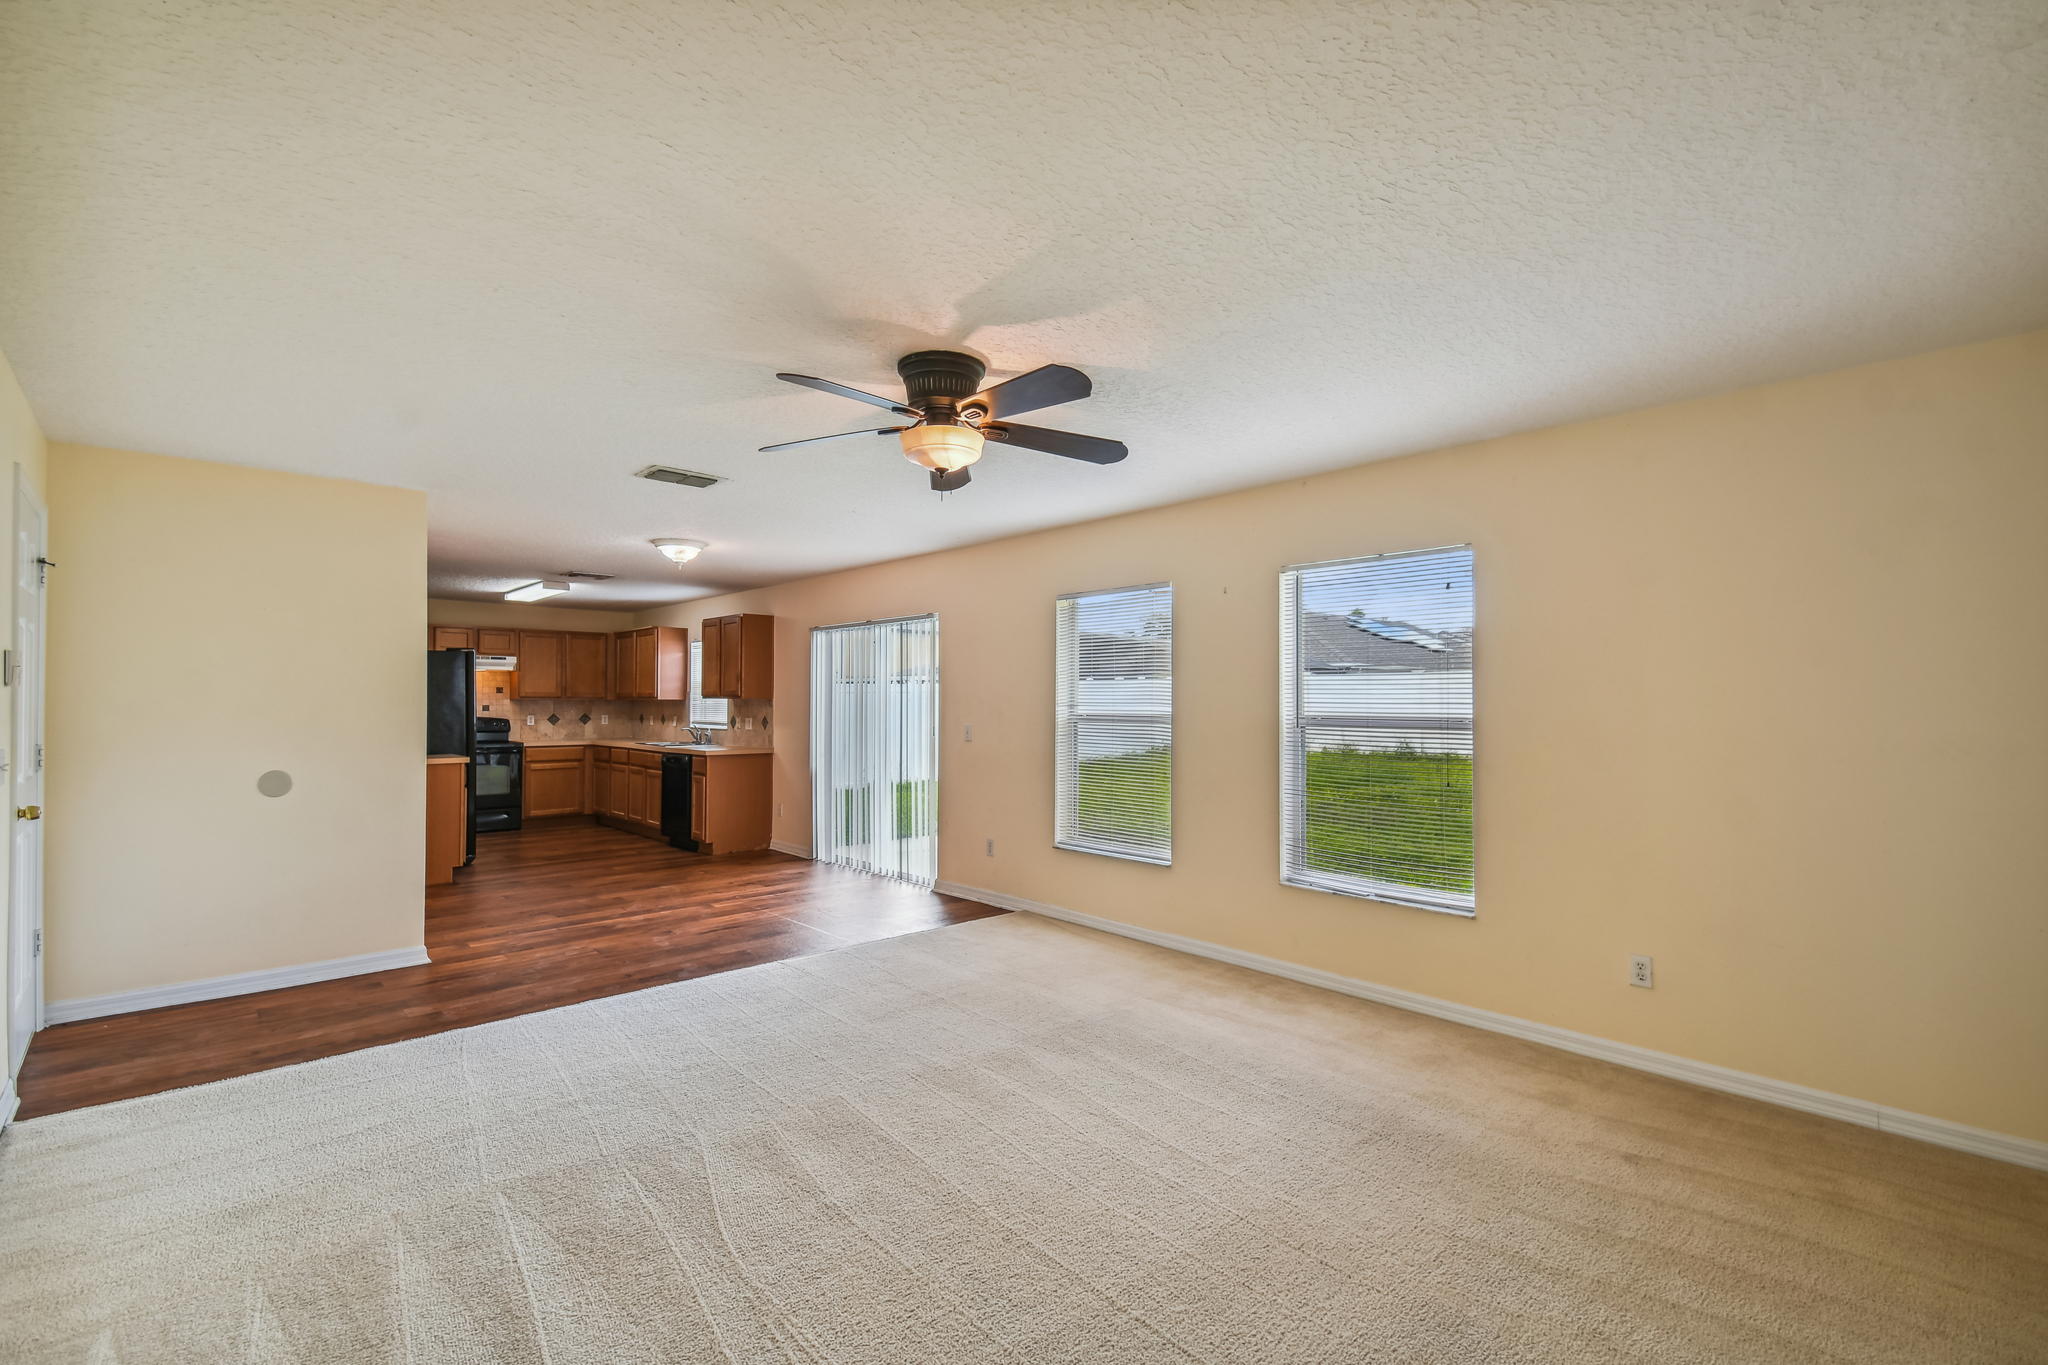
x=686, y=477
x=585, y=575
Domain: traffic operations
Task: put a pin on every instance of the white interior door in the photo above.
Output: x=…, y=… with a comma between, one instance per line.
x=25, y=776
x=875, y=747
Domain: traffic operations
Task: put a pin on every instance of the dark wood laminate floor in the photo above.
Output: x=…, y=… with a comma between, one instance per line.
x=550, y=915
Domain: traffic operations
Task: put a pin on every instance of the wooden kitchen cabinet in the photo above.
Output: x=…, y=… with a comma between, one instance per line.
x=494, y=641
x=587, y=665
x=739, y=657
x=626, y=789
x=730, y=801
x=447, y=817
x=543, y=664
x=651, y=664
x=450, y=637
x=554, y=782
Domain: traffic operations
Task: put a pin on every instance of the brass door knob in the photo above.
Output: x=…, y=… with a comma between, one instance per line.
x=28, y=813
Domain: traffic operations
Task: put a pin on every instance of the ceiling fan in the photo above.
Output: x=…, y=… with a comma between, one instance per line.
x=952, y=414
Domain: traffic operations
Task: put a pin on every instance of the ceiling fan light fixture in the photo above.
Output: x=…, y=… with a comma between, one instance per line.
x=533, y=592
x=680, y=552
x=941, y=446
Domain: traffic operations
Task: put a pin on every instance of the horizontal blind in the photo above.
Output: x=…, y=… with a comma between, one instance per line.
x=1376, y=727
x=1113, y=723
x=875, y=747
x=713, y=713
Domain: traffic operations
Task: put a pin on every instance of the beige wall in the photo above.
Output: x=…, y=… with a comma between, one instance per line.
x=21, y=447
x=198, y=609
x=530, y=615
x=1760, y=694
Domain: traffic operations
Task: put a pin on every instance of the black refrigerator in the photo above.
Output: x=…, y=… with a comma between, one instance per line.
x=451, y=724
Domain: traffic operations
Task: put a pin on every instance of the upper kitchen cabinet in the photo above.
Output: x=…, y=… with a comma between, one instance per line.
x=739, y=657
x=588, y=664
x=450, y=637
x=651, y=664
x=543, y=664
x=555, y=663
x=491, y=640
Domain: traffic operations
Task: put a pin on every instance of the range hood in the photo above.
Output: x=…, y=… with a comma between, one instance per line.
x=496, y=663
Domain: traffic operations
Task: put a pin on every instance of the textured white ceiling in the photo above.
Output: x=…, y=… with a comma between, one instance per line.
x=512, y=252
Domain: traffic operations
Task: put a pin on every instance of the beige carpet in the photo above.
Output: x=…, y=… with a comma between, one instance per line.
x=1002, y=1141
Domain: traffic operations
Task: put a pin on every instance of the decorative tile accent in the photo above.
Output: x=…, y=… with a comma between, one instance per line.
x=583, y=719
x=554, y=719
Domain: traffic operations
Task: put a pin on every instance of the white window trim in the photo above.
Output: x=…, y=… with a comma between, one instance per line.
x=1291, y=798
x=1172, y=732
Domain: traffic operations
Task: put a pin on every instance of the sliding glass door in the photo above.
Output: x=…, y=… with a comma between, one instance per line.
x=875, y=747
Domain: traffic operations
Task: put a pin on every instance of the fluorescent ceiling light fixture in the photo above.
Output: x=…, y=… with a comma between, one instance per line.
x=681, y=551
x=941, y=446
x=533, y=592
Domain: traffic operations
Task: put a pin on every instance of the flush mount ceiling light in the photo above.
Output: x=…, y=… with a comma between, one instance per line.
x=951, y=413
x=680, y=551
x=533, y=592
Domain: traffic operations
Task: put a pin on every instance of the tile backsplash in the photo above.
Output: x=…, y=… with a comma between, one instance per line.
x=594, y=719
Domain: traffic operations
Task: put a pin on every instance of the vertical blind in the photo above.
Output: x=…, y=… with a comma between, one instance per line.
x=875, y=747
x=1376, y=727
x=712, y=713
x=1113, y=723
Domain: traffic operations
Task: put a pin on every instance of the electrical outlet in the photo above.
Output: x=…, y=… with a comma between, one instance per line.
x=1641, y=973
x=991, y=848
x=604, y=720
x=529, y=720
x=967, y=734
x=778, y=810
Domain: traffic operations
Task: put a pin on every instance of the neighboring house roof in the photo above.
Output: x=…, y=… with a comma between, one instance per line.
x=1105, y=655
x=1353, y=644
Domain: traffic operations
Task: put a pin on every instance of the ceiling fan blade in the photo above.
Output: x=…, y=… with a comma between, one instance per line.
x=837, y=435
x=1093, y=449
x=859, y=396
x=946, y=483
x=1039, y=388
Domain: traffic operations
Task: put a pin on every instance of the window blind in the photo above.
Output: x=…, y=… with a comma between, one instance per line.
x=1376, y=727
x=875, y=747
x=712, y=713
x=1113, y=723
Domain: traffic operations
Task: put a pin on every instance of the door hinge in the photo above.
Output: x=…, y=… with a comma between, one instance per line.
x=39, y=944
x=43, y=567
x=39, y=758
x=7, y=667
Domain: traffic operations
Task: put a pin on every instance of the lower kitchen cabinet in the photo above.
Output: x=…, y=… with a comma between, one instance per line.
x=730, y=801
x=729, y=795
x=555, y=782
x=626, y=789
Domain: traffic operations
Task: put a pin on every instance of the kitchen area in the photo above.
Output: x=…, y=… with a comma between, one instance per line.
x=646, y=731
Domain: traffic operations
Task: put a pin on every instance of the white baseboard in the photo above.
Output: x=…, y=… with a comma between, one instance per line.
x=242, y=983
x=793, y=850
x=10, y=1100
x=1941, y=1132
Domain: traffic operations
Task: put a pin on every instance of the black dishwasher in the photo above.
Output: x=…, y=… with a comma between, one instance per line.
x=675, y=800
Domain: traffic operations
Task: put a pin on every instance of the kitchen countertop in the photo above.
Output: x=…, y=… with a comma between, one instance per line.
x=447, y=758
x=707, y=749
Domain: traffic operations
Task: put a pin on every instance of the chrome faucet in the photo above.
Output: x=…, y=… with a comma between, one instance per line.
x=698, y=736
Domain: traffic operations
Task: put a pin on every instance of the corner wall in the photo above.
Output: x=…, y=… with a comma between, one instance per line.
x=197, y=610
x=1759, y=694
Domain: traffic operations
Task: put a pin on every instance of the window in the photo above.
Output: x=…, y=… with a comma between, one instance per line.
x=1113, y=723
x=1376, y=728
x=709, y=713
